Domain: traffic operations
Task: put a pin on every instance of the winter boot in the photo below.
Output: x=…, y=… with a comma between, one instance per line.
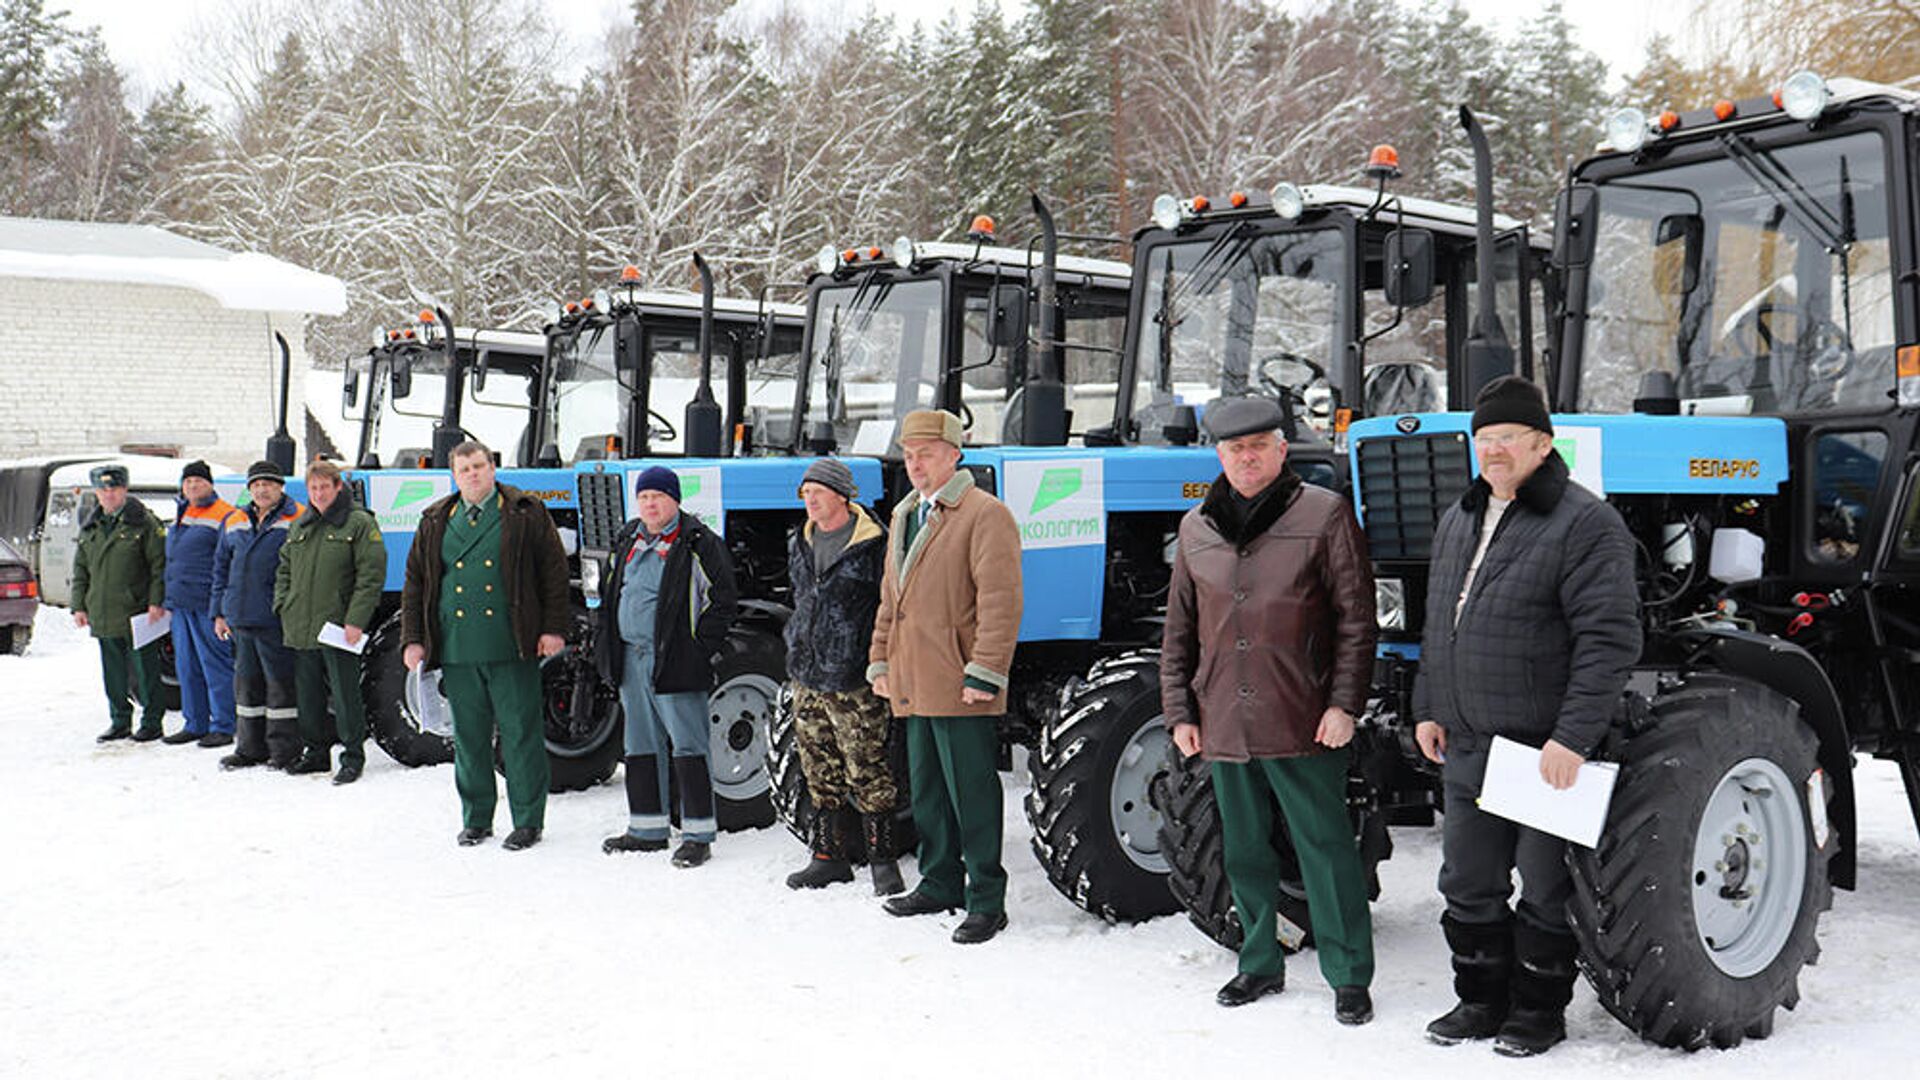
x=883, y=849
x=1482, y=971
x=1543, y=974
x=828, y=864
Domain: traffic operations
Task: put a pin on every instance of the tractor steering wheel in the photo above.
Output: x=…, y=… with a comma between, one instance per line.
x=1295, y=389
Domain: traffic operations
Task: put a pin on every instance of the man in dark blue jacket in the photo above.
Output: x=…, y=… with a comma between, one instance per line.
x=1533, y=626
x=202, y=660
x=268, y=727
x=841, y=726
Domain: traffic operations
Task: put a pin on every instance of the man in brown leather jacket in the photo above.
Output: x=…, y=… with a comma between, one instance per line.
x=1268, y=652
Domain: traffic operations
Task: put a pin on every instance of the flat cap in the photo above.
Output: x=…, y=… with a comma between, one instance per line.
x=1232, y=417
x=106, y=476
x=931, y=424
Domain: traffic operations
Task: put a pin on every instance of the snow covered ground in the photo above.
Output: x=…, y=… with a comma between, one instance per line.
x=161, y=918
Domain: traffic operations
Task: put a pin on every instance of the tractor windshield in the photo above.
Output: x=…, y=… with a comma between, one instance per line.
x=1238, y=313
x=1760, y=279
x=874, y=353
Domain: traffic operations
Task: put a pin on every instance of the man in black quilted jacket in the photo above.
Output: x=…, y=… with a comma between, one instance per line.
x=1532, y=627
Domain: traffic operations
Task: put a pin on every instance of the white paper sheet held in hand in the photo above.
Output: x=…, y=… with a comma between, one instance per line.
x=336, y=635
x=1515, y=790
x=145, y=631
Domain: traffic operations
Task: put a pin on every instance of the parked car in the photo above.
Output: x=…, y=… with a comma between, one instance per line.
x=19, y=599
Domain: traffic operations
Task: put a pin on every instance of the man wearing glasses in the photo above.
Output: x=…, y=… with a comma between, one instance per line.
x=1532, y=626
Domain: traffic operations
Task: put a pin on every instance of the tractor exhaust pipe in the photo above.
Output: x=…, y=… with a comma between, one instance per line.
x=280, y=444
x=1044, y=413
x=703, y=412
x=1489, y=354
x=447, y=433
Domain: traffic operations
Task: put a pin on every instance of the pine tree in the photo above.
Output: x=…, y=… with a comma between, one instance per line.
x=30, y=40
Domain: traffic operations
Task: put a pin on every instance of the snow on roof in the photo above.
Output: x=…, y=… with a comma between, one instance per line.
x=143, y=471
x=1318, y=196
x=1020, y=257
x=149, y=255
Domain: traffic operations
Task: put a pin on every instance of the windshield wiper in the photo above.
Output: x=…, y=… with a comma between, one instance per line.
x=1163, y=375
x=1834, y=231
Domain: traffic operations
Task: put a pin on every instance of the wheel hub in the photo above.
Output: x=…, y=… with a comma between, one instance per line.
x=741, y=712
x=1749, y=867
x=1136, y=820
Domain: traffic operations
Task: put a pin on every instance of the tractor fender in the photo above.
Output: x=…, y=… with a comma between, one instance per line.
x=1792, y=670
x=764, y=613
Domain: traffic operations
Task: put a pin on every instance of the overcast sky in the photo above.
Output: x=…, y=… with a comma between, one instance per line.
x=144, y=36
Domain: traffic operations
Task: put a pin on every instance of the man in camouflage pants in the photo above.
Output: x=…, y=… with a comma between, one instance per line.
x=841, y=727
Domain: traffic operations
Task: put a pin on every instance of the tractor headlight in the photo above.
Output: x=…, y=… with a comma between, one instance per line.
x=903, y=252
x=1627, y=130
x=590, y=576
x=1804, y=96
x=1390, y=603
x=1288, y=201
x=1166, y=212
x=826, y=260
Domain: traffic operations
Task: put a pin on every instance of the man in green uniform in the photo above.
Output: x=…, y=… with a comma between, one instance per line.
x=486, y=600
x=120, y=574
x=1266, y=659
x=332, y=568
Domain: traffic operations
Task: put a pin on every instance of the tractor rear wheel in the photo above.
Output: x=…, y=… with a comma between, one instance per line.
x=1191, y=839
x=1699, y=908
x=1096, y=828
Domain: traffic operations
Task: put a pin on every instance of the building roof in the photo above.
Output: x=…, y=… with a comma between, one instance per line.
x=149, y=255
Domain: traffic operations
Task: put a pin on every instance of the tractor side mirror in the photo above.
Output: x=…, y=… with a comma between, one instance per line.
x=1007, y=316
x=1576, y=214
x=350, y=391
x=1409, y=269
x=400, y=374
x=1691, y=232
x=626, y=345
x=480, y=370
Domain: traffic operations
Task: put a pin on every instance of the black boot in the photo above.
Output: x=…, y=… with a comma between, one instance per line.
x=883, y=849
x=692, y=853
x=312, y=761
x=117, y=731
x=180, y=738
x=827, y=864
x=1482, y=970
x=1543, y=974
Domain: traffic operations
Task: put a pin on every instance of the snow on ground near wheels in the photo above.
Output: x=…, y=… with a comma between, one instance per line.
x=162, y=918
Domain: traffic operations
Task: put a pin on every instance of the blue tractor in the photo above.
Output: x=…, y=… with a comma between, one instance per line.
x=1734, y=373
x=620, y=380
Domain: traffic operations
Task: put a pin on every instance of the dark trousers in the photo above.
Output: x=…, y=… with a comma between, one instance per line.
x=503, y=695
x=329, y=675
x=131, y=673
x=266, y=703
x=1312, y=793
x=957, y=809
x=1479, y=853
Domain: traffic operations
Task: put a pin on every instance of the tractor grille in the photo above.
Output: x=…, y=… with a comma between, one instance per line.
x=602, y=510
x=1405, y=484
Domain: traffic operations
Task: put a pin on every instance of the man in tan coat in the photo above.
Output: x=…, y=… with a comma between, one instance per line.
x=942, y=649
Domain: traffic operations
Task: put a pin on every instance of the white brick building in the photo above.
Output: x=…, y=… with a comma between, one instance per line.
x=128, y=336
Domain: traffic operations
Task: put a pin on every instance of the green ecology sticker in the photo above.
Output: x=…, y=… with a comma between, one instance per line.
x=413, y=491
x=1568, y=449
x=1059, y=502
x=689, y=487
x=1055, y=486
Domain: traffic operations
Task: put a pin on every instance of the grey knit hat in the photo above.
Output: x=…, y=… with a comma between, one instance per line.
x=832, y=473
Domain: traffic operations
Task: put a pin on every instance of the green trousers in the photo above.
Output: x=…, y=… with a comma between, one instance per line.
x=505, y=695
x=957, y=809
x=132, y=674
x=1312, y=796
x=324, y=676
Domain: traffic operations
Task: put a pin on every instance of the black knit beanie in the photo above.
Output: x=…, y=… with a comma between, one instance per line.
x=1511, y=399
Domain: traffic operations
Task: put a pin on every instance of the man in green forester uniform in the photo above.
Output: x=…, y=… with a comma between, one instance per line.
x=119, y=575
x=332, y=568
x=485, y=600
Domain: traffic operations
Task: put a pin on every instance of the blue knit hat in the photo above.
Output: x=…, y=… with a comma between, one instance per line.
x=658, y=478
